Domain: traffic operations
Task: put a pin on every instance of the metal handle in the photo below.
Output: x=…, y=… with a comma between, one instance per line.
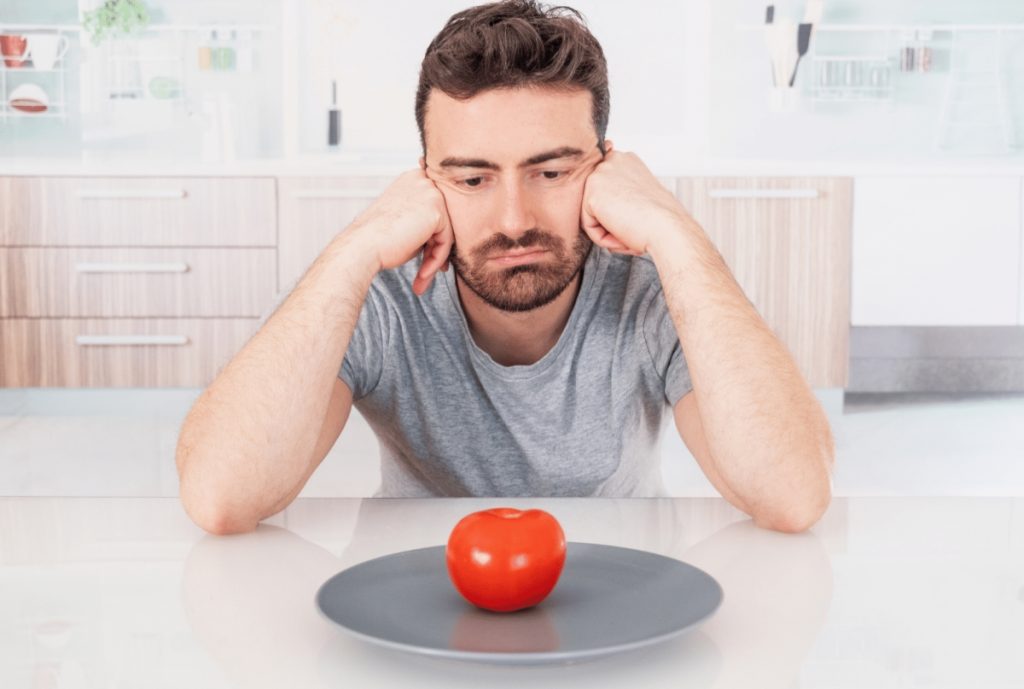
x=103, y=340
x=763, y=193
x=321, y=194
x=179, y=267
x=108, y=194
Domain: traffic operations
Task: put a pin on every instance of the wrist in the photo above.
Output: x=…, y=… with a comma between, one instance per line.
x=677, y=238
x=355, y=248
x=346, y=266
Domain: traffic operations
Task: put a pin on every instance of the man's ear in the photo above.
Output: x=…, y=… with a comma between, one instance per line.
x=423, y=163
x=607, y=145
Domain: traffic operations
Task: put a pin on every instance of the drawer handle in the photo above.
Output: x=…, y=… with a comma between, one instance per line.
x=763, y=193
x=179, y=267
x=322, y=194
x=93, y=340
x=108, y=194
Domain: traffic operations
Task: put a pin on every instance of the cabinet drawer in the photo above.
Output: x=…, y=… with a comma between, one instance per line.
x=43, y=352
x=64, y=282
x=137, y=211
x=787, y=242
x=314, y=210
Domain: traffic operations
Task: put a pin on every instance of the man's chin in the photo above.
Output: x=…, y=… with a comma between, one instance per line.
x=520, y=289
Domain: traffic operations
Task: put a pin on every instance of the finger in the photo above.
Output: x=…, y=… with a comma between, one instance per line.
x=434, y=256
x=613, y=244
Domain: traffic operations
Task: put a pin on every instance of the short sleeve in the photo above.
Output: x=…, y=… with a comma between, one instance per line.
x=363, y=364
x=662, y=341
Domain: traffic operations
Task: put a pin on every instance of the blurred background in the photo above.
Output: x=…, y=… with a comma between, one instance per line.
x=169, y=168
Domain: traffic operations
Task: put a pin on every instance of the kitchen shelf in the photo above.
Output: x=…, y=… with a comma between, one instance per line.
x=55, y=109
x=879, y=28
x=71, y=28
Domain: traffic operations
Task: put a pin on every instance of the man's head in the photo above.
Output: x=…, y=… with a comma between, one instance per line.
x=512, y=108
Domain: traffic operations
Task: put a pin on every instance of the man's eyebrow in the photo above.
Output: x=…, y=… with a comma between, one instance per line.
x=554, y=154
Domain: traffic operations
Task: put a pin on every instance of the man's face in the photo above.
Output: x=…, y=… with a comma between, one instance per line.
x=511, y=164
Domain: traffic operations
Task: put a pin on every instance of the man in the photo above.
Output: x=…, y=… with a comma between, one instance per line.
x=540, y=364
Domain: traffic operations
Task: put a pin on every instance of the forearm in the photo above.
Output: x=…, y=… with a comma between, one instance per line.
x=768, y=435
x=250, y=436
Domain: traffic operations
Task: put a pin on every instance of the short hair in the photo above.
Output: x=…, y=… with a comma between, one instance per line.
x=511, y=44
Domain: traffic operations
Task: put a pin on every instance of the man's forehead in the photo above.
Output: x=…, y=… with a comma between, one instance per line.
x=508, y=126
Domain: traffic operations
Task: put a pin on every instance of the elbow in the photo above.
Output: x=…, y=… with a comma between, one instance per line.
x=205, y=510
x=213, y=519
x=799, y=514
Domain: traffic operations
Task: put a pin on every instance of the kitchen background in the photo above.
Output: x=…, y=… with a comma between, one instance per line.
x=874, y=211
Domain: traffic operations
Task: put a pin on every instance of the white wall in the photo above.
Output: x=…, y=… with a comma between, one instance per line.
x=376, y=62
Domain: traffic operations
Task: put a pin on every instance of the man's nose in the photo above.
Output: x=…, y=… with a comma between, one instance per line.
x=514, y=214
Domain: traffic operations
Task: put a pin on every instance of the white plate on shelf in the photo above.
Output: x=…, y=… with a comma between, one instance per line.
x=608, y=600
x=29, y=98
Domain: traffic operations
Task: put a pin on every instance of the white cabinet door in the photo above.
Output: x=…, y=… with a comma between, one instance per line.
x=936, y=251
x=1020, y=265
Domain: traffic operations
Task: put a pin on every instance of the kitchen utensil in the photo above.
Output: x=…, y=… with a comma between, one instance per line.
x=813, y=11
x=608, y=599
x=803, y=42
x=14, y=50
x=46, y=49
x=29, y=98
x=769, y=17
x=783, y=35
x=334, y=118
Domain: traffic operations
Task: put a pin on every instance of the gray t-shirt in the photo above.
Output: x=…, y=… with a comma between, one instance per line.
x=584, y=420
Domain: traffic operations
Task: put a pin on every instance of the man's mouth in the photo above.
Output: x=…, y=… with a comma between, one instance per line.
x=515, y=258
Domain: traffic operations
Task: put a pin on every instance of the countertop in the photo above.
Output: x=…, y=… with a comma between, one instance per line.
x=391, y=164
x=883, y=592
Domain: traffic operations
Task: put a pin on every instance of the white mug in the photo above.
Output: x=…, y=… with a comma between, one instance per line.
x=46, y=48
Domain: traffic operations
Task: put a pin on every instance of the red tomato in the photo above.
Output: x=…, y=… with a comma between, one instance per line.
x=504, y=559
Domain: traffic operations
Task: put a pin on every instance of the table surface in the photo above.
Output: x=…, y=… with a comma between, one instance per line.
x=883, y=592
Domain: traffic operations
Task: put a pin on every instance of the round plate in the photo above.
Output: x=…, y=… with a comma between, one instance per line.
x=608, y=599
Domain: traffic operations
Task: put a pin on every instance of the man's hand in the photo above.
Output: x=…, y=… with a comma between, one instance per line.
x=409, y=217
x=625, y=208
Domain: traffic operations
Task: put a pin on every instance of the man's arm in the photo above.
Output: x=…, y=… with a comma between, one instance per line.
x=257, y=433
x=767, y=438
x=768, y=443
x=247, y=446
x=691, y=430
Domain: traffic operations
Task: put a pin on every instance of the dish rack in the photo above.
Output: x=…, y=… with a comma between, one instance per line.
x=851, y=78
x=53, y=81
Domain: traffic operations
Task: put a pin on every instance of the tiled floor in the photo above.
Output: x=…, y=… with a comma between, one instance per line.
x=117, y=442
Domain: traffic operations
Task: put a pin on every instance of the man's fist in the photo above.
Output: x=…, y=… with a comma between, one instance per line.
x=409, y=217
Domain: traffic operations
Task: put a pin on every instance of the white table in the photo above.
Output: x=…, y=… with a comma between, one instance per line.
x=883, y=592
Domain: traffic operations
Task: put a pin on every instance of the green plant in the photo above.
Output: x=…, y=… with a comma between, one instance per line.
x=115, y=18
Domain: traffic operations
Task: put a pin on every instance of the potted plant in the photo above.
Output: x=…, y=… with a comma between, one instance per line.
x=115, y=18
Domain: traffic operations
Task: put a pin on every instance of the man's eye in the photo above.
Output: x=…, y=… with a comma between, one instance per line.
x=552, y=174
x=473, y=181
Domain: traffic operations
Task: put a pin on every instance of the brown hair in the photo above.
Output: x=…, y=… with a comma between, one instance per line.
x=514, y=43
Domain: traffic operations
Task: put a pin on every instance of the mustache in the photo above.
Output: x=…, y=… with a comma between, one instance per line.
x=533, y=238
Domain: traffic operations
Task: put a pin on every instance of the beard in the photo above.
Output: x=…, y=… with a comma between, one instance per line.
x=524, y=287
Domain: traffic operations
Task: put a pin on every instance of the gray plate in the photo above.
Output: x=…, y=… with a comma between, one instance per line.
x=608, y=599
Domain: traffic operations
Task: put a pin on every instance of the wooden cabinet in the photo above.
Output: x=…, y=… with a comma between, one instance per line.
x=932, y=251
x=314, y=210
x=159, y=281
x=118, y=352
x=787, y=242
x=137, y=211
x=131, y=282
